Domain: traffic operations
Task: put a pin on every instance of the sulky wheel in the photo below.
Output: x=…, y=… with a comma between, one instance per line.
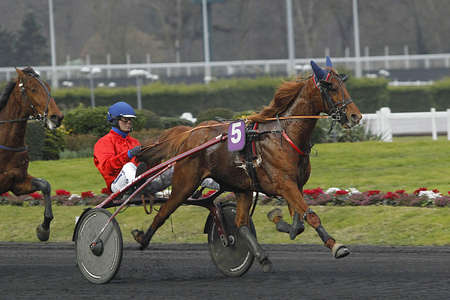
x=99, y=263
x=235, y=259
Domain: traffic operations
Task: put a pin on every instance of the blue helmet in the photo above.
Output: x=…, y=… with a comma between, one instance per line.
x=120, y=109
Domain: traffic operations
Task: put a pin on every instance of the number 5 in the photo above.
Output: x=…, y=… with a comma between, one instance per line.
x=236, y=133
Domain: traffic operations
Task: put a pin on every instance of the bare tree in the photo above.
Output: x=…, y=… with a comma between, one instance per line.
x=310, y=23
x=171, y=30
x=173, y=19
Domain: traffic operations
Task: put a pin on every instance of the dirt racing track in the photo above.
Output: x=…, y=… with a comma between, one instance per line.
x=49, y=271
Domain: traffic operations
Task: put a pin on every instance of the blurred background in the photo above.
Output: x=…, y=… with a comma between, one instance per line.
x=407, y=39
x=185, y=61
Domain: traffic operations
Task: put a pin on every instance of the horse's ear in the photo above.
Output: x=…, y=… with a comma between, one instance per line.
x=20, y=72
x=328, y=62
x=318, y=71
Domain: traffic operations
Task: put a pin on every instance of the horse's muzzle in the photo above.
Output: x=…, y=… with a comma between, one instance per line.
x=352, y=121
x=55, y=121
x=355, y=118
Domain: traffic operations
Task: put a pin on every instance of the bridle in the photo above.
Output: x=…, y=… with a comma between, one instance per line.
x=336, y=111
x=35, y=115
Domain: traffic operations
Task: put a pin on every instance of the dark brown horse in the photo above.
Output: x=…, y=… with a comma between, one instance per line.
x=28, y=96
x=278, y=168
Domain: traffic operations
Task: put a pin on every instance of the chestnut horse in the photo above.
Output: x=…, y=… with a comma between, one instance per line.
x=280, y=160
x=28, y=96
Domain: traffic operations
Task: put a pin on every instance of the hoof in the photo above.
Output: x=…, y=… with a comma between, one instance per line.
x=276, y=212
x=340, y=251
x=139, y=237
x=297, y=227
x=42, y=233
x=282, y=226
x=266, y=265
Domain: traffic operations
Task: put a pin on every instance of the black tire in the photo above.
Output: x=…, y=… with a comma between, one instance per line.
x=101, y=267
x=236, y=259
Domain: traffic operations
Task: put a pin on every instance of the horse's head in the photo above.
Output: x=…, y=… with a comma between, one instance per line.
x=37, y=98
x=335, y=97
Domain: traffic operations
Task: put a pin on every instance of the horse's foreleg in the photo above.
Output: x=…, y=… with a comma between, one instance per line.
x=338, y=250
x=244, y=201
x=30, y=185
x=296, y=201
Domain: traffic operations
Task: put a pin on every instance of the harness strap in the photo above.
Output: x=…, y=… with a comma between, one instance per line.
x=288, y=139
x=250, y=154
x=19, y=149
x=255, y=127
x=14, y=120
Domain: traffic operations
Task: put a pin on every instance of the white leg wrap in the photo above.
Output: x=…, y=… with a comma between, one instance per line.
x=335, y=248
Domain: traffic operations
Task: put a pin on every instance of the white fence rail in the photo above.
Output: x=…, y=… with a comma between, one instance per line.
x=386, y=124
x=236, y=67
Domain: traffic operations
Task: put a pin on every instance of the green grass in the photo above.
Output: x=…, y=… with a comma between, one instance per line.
x=407, y=163
x=376, y=225
x=74, y=175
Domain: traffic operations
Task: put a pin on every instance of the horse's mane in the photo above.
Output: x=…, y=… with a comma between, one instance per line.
x=285, y=94
x=6, y=93
x=30, y=71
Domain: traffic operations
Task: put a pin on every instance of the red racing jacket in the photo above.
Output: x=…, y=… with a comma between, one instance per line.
x=111, y=153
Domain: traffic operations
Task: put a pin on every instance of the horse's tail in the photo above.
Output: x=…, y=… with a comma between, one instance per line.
x=167, y=146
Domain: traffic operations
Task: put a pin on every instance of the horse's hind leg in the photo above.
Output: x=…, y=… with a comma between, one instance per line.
x=297, y=227
x=183, y=185
x=32, y=184
x=244, y=201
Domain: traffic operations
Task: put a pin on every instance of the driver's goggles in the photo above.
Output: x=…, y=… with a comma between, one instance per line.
x=125, y=119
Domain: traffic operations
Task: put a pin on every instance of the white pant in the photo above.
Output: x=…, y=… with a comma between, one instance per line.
x=128, y=174
x=125, y=177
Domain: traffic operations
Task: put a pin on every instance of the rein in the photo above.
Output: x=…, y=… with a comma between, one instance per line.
x=148, y=147
x=336, y=113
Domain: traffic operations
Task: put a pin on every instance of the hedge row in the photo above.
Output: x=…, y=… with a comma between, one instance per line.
x=43, y=144
x=420, y=98
x=251, y=94
x=173, y=100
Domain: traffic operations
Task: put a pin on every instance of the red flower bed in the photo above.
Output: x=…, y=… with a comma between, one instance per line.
x=62, y=193
x=421, y=197
x=419, y=190
x=353, y=197
x=88, y=194
x=105, y=191
x=314, y=193
x=341, y=192
x=373, y=192
x=36, y=196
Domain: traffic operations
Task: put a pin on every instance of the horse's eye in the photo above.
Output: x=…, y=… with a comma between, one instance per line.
x=33, y=90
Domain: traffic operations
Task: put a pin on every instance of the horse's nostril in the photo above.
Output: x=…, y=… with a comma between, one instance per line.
x=355, y=118
x=56, y=119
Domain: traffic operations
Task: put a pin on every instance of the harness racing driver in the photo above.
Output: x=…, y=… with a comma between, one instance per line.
x=115, y=153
